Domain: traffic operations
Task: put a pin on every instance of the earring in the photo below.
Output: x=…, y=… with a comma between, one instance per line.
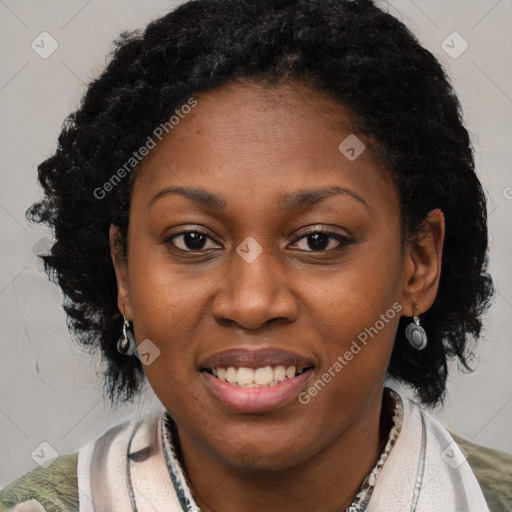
x=415, y=334
x=126, y=343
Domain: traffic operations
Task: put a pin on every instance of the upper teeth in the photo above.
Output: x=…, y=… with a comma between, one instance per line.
x=250, y=377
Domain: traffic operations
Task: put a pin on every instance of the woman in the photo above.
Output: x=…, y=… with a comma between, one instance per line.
x=265, y=209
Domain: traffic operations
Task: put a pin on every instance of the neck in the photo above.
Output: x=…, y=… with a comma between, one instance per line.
x=325, y=482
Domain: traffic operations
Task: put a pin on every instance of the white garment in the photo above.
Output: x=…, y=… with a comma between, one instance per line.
x=111, y=481
x=425, y=471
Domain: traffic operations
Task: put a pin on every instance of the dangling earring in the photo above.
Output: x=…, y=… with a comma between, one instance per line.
x=415, y=334
x=126, y=343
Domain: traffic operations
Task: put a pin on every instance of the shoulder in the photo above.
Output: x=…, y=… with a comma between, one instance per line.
x=54, y=488
x=493, y=470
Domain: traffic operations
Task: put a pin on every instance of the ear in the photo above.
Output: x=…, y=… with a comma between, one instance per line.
x=121, y=269
x=422, y=264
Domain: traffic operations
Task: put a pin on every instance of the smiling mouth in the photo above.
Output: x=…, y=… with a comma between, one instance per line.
x=266, y=376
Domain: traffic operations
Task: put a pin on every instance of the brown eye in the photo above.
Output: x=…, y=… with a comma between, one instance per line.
x=189, y=240
x=322, y=241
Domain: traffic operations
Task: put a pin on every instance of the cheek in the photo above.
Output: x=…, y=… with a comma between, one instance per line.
x=357, y=309
x=358, y=337
x=353, y=295
x=166, y=305
x=164, y=294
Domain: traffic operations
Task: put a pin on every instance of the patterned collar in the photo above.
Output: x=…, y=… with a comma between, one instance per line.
x=392, y=404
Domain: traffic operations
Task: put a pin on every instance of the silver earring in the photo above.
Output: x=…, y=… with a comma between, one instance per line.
x=126, y=343
x=416, y=335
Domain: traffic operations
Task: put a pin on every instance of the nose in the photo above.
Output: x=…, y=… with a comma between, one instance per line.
x=254, y=293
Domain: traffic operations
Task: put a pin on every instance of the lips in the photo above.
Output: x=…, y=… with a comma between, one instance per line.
x=255, y=380
x=256, y=358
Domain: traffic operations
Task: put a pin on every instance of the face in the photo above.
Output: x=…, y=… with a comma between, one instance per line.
x=255, y=243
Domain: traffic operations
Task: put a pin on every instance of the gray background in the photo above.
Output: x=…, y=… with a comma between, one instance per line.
x=50, y=391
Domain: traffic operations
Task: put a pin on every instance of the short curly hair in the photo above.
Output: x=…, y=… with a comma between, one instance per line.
x=365, y=59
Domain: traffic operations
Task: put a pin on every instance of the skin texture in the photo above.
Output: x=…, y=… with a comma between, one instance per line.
x=250, y=144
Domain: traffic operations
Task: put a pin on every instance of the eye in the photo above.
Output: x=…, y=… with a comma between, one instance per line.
x=188, y=241
x=322, y=240
x=317, y=240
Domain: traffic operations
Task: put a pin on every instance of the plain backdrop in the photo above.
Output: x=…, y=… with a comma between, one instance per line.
x=50, y=390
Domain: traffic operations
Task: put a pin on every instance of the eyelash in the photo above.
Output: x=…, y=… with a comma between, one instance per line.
x=342, y=239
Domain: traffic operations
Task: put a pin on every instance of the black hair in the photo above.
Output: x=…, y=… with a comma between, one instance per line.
x=364, y=58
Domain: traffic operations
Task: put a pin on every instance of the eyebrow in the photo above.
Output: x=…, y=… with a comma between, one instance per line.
x=292, y=201
x=308, y=197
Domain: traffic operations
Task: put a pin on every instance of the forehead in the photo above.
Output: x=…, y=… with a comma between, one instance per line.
x=255, y=140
